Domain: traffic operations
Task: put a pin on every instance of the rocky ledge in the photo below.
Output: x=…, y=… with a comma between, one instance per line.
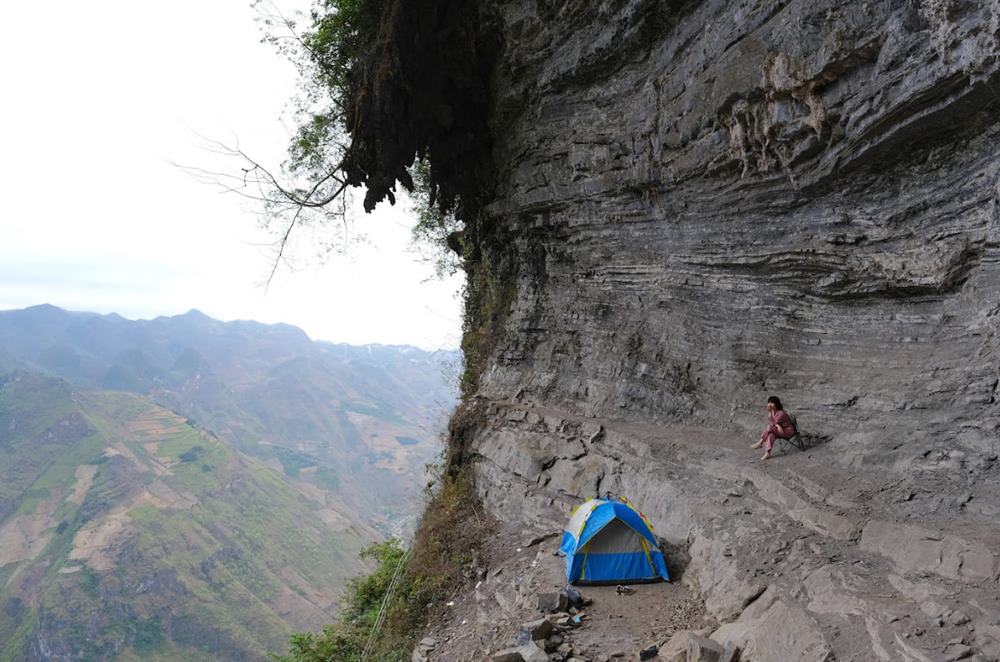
x=795, y=558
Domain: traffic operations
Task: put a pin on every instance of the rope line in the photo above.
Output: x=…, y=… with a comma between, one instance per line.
x=380, y=618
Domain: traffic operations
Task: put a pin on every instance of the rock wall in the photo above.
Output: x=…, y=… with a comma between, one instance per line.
x=711, y=202
x=746, y=197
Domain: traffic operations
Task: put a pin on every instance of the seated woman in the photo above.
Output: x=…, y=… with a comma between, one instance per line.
x=779, y=424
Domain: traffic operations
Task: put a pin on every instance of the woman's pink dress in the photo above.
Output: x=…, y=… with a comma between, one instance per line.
x=779, y=424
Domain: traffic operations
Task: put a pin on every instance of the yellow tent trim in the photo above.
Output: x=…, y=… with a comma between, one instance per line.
x=649, y=557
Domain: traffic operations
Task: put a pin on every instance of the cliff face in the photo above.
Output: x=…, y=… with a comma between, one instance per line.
x=735, y=198
x=705, y=203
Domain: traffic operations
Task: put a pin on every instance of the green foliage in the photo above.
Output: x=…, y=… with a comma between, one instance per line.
x=192, y=454
x=148, y=634
x=327, y=478
x=342, y=30
x=327, y=53
x=345, y=640
x=340, y=34
x=311, y=185
x=90, y=581
x=292, y=462
x=450, y=533
x=437, y=233
x=31, y=406
x=332, y=53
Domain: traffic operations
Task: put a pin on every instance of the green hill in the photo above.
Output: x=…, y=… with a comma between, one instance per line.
x=128, y=532
x=327, y=416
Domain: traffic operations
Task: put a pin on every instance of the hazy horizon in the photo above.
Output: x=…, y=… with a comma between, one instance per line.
x=224, y=321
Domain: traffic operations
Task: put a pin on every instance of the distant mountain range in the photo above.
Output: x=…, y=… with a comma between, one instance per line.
x=359, y=422
x=183, y=487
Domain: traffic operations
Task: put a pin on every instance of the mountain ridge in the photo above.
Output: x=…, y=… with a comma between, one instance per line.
x=196, y=314
x=266, y=388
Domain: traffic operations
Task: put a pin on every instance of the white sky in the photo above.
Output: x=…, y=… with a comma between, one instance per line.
x=99, y=99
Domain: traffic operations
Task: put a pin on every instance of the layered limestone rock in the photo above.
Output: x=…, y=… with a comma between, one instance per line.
x=705, y=203
x=748, y=197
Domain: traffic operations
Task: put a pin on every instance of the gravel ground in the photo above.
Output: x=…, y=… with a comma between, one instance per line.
x=484, y=619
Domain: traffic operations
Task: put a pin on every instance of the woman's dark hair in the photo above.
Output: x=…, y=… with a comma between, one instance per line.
x=776, y=401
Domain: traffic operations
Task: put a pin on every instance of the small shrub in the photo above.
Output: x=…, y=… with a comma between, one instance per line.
x=192, y=454
x=448, y=538
x=90, y=581
x=148, y=635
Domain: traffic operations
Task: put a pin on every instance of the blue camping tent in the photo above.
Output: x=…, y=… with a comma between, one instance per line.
x=609, y=541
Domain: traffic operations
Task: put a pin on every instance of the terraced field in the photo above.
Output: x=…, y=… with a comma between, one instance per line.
x=128, y=532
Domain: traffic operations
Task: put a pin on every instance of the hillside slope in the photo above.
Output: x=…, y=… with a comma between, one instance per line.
x=127, y=533
x=358, y=423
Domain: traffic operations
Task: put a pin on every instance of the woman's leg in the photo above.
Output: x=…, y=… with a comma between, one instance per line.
x=763, y=435
x=769, y=438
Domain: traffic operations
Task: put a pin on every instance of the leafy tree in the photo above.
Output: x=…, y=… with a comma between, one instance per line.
x=311, y=188
x=192, y=454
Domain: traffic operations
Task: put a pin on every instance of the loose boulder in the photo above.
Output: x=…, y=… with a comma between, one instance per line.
x=648, y=653
x=700, y=649
x=534, y=630
x=525, y=653
x=552, y=602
